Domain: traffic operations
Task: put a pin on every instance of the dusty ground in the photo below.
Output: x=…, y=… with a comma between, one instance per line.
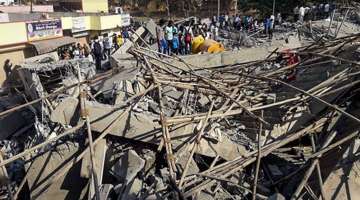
x=344, y=183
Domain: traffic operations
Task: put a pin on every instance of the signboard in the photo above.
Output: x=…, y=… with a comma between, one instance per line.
x=78, y=24
x=125, y=20
x=41, y=30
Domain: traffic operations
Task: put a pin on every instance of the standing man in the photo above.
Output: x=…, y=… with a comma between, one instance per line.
x=301, y=14
x=272, y=18
x=265, y=23
x=214, y=19
x=107, y=45
x=97, y=51
x=327, y=10
x=270, y=26
x=279, y=19
x=237, y=22
x=226, y=22
x=114, y=41
x=188, y=38
x=321, y=10
x=162, y=44
x=169, y=36
x=175, y=41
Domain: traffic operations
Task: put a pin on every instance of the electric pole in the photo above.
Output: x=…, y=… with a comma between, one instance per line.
x=168, y=8
x=274, y=2
x=218, y=14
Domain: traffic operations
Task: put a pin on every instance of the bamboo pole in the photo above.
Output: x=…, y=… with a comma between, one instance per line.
x=195, y=145
x=258, y=160
x=318, y=170
x=230, y=167
x=85, y=116
x=6, y=175
x=311, y=168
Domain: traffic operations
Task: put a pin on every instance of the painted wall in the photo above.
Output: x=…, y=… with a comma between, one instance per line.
x=110, y=22
x=95, y=6
x=95, y=23
x=12, y=33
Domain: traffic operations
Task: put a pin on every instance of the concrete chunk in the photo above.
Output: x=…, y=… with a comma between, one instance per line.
x=65, y=111
x=128, y=166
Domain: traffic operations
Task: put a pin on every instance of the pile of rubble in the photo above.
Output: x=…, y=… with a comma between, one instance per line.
x=160, y=127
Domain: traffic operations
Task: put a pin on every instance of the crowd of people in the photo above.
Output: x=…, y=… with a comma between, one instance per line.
x=177, y=39
x=314, y=12
x=174, y=39
x=102, y=47
x=99, y=49
x=74, y=51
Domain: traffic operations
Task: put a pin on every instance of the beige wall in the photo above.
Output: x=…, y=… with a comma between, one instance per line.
x=12, y=33
x=95, y=6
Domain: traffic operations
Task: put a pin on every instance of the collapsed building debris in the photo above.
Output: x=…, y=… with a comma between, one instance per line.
x=163, y=127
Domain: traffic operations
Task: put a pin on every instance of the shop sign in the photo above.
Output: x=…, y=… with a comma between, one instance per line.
x=125, y=19
x=78, y=24
x=41, y=30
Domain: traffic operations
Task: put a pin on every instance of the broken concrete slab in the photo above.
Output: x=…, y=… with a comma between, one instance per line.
x=128, y=166
x=182, y=159
x=132, y=190
x=44, y=58
x=224, y=148
x=172, y=93
x=64, y=112
x=100, y=150
x=137, y=126
x=48, y=165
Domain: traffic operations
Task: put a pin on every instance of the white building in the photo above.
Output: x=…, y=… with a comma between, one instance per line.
x=6, y=2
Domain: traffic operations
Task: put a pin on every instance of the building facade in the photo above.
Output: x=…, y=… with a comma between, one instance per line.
x=86, y=6
x=17, y=47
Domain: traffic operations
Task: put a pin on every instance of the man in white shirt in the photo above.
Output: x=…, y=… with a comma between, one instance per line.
x=301, y=14
x=272, y=17
x=327, y=10
x=226, y=21
x=107, y=45
x=169, y=36
x=279, y=19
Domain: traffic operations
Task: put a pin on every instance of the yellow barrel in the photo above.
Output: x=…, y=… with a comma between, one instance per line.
x=196, y=43
x=211, y=46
